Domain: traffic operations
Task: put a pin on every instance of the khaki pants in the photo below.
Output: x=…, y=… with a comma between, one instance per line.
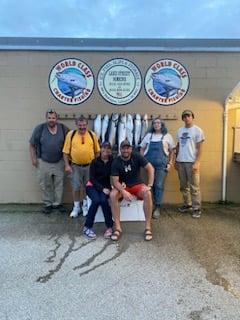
x=189, y=184
x=50, y=177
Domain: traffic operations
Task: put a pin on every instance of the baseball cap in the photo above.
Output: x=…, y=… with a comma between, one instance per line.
x=106, y=144
x=125, y=143
x=187, y=112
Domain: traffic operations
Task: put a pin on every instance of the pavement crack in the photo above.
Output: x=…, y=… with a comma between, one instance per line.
x=45, y=278
x=58, y=244
x=119, y=252
x=50, y=274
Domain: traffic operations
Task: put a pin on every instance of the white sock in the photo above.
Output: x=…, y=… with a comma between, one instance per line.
x=77, y=204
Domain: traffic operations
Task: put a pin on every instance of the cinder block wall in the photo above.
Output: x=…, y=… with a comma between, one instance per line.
x=25, y=96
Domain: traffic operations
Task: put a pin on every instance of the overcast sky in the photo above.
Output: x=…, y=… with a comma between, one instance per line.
x=120, y=18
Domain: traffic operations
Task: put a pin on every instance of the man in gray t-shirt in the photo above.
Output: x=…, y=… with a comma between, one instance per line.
x=46, y=145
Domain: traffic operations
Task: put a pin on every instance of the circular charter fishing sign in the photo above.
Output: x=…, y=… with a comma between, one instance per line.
x=71, y=81
x=119, y=81
x=166, y=82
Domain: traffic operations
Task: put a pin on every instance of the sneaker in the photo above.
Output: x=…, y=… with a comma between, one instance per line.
x=156, y=213
x=108, y=233
x=89, y=233
x=61, y=208
x=75, y=212
x=196, y=214
x=185, y=208
x=48, y=209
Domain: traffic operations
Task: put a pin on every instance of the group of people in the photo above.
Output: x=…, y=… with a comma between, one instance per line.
x=54, y=150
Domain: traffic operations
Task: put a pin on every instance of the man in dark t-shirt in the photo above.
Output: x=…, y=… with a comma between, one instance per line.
x=45, y=148
x=126, y=181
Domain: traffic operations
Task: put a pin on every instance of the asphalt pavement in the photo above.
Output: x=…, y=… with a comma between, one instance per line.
x=50, y=271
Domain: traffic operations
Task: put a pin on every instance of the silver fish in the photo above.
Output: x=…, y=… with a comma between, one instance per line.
x=170, y=82
x=76, y=82
x=144, y=126
x=122, y=128
x=97, y=125
x=112, y=129
x=129, y=133
x=137, y=129
x=105, y=121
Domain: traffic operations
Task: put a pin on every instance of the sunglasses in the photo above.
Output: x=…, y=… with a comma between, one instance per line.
x=83, y=140
x=51, y=111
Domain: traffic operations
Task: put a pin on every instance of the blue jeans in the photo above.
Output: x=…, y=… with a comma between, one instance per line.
x=158, y=186
x=159, y=160
x=98, y=198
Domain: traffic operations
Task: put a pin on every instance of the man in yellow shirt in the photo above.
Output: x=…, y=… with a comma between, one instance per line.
x=80, y=148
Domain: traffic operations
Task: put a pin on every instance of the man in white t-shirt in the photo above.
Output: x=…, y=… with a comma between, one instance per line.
x=188, y=153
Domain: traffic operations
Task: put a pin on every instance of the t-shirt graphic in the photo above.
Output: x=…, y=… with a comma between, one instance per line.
x=127, y=168
x=184, y=139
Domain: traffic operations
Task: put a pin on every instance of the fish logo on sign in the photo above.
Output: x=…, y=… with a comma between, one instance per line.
x=71, y=81
x=166, y=82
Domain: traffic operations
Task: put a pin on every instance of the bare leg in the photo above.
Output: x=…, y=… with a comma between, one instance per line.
x=147, y=207
x=115, y=207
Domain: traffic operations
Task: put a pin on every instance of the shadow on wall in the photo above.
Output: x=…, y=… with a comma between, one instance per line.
x=233, y=178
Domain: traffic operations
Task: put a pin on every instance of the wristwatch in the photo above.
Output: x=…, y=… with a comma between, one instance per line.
x=149, y=185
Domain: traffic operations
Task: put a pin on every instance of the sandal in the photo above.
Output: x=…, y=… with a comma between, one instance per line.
x=148, y=235
x=116, y=235
x=108, y=233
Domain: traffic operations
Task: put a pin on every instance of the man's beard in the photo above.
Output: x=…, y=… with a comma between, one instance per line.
x=52, y=124
x=126, y=157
